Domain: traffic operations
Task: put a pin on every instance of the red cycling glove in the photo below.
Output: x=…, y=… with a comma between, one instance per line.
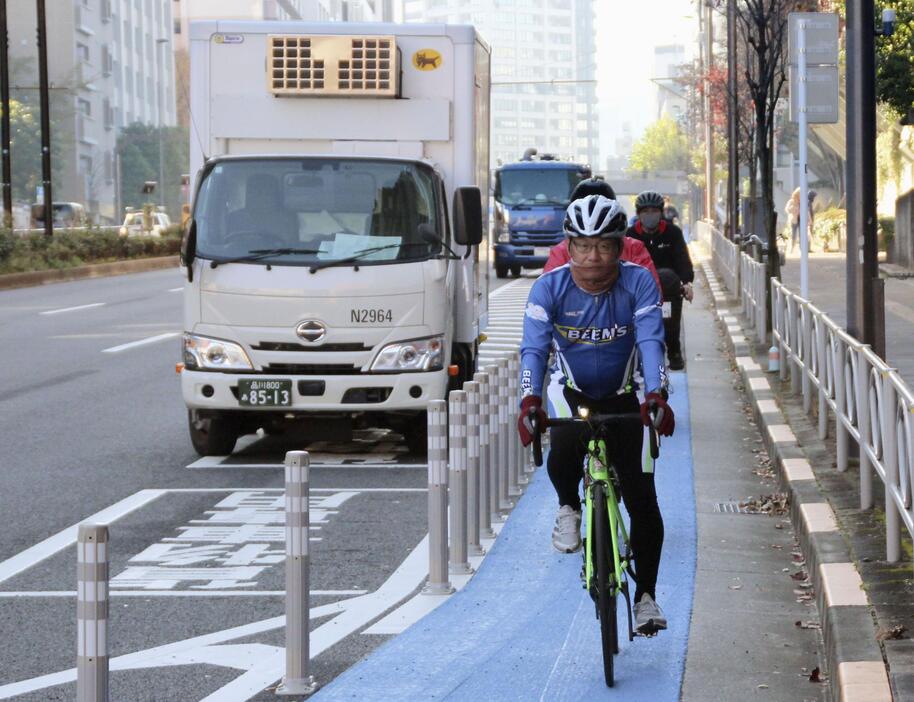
x=666, y=420
x=524, y=425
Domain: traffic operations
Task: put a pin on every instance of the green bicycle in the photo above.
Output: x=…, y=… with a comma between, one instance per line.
x=607, y=551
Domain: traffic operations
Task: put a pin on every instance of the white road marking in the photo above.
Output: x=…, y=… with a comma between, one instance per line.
x=12, y=595
x=67, y=537
x=176, y=289
x=73, y=309
x=268, y=662
x=216, y=463
x=141, y=342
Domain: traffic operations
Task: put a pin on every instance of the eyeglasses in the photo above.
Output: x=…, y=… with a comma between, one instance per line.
x=604, y=246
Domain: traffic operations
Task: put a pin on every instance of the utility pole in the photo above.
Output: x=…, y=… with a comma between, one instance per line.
x=45, y=120
x=5, y=119
x=161, y=99
x=709, y=115
x=865, y=291
x=732, y=125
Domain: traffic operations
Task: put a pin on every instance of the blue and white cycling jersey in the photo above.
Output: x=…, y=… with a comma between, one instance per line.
x=594, y=336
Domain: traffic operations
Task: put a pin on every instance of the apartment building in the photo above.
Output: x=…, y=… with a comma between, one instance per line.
x=109, y=64
x=543, y=71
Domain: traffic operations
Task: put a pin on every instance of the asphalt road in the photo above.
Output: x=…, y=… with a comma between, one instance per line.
x=93, y=422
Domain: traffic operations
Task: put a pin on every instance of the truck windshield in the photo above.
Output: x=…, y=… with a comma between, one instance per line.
x=536, y=186
x=305, y=211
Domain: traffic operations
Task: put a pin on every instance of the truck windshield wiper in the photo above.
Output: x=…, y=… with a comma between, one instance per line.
x=358, y=255
x=257, y=254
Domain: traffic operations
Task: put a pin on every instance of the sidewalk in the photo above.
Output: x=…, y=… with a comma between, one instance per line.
x=523, y=628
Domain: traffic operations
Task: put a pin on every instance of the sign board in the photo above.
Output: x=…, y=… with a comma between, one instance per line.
x=821, y=37
x=821, y=94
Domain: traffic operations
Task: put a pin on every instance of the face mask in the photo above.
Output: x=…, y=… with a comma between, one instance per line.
x=650, y=220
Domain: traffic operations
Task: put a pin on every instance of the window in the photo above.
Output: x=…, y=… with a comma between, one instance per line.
x=82, y=52
x=106, y=10
x=108, y=114
x=84, y=107
x=107, y=61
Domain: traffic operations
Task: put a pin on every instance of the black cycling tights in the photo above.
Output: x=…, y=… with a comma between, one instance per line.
x=568, y=447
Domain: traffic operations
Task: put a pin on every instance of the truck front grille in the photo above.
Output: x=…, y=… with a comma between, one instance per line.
x=312, y=369
x=285, y=346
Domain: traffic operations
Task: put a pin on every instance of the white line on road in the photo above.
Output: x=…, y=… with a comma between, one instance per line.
x=62, y=539
x=176, y=289
x=216, y=462
x=73, y=309
x=141, y=342
x=179, y=593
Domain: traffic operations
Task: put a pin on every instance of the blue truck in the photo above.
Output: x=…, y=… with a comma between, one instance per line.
x=531, y=196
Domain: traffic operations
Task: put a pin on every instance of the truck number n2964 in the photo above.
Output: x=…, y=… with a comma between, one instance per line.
x=364, y=316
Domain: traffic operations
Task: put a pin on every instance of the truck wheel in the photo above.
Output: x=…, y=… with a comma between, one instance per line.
x=501, y=271
x=515, y=271
x=214, y=435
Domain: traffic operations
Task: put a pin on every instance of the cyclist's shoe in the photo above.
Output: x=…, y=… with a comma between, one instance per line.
x=566, y=534
x=676, y=361
x=649, y=618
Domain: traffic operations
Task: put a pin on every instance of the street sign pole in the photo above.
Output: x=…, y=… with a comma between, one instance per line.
x=804, y=174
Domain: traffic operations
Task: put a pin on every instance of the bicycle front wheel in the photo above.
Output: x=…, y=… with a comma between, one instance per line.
x=606, y=582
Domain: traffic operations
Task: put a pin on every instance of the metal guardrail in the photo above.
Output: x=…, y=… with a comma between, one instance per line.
x=725, y=259
x=742, y=274
x=869, y=400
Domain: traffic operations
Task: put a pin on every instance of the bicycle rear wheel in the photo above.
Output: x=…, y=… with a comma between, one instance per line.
x=606, y=585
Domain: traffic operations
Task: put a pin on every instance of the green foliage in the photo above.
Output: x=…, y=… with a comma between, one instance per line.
x=886, y=232
x=25, y=149
x=827, y=227
x=663, y=147
x=35, y=252
x=138, y=145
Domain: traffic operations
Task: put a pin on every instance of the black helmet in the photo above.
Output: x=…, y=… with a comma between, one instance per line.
x=648, y=198
x=593, y=186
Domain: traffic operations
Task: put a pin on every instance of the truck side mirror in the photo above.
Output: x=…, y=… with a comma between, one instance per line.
x=467, y=216
x=189, y=249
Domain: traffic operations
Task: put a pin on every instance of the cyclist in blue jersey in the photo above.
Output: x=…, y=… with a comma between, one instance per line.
x=598, y=314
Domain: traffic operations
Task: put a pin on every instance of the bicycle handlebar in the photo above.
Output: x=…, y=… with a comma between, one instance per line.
x=592, y=419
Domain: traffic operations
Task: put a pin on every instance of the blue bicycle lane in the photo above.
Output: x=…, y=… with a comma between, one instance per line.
x=523, y=628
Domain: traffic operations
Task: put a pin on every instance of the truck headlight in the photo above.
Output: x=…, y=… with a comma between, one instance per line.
x=416, y=355
x=203, y=353
x=502, y=232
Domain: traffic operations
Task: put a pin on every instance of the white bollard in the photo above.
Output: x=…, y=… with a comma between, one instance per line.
x=297, y=680
x=495, y=380
x=92, y=613
x=457, y=481
x=485, y=411
x=504, y=468
x=438, y=583
x=474, y=548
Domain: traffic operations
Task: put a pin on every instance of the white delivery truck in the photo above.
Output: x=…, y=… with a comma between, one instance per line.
x=336, y=270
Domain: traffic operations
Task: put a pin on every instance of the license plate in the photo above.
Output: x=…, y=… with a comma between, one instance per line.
x=265, y=393
x=541, y=251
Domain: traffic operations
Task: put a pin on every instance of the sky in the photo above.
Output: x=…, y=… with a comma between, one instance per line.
x=625, y=59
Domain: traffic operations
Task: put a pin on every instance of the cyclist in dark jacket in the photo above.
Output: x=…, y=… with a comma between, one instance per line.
x=667, y=246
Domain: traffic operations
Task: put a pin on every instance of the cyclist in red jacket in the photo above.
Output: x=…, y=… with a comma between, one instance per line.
x=632, y=250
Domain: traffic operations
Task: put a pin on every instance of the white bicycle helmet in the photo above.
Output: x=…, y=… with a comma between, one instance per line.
x=596, y=216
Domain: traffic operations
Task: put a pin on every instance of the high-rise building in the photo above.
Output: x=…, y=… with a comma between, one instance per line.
x=109, y=65
x=543, y=71
x=668, y=62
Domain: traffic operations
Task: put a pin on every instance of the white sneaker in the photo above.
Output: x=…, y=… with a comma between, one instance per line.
x=566, y=534
x=649, y=618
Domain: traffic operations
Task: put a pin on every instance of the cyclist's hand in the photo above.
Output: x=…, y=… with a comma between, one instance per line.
x=665, y=422
x=524, y=425
x=687, y=292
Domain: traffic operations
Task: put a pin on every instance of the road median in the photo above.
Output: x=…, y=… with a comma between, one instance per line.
x=29, y=279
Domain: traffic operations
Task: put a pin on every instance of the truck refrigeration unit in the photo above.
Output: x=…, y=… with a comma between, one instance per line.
x=336, y=270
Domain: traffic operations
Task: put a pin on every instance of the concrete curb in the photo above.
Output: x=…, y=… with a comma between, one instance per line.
x=96, y=270
x=852, y=654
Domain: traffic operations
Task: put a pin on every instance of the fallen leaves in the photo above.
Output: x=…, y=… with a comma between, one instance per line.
x=775, y=504
x=807, y=625
x=896, y=632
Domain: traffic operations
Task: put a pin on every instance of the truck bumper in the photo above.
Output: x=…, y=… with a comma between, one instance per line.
x=339, y=393
x=525, y=256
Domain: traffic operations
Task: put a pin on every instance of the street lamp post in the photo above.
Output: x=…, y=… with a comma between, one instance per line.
x=162, y=42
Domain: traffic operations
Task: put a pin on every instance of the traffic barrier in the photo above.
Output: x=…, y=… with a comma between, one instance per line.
x=457, y=481
x=474, y=547
x=297, y=680
x=495, y=379
x=504, y=467
x=482, y=424
x=92, y=613
x=438, y=583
